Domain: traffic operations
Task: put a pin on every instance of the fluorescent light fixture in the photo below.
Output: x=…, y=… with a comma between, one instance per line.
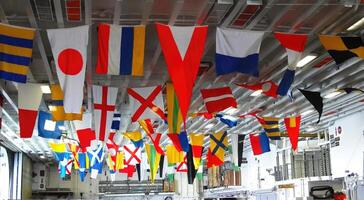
x=45, y=89
x=256, y=93
x=41, y=156
x=310, y=128
x=62, y=128
x=332, y=94
x=231, y=111
x=305, y=60
x=356, y=25
x=306, y=112
x=208, y=126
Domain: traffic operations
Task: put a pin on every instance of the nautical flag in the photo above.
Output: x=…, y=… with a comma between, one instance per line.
x=146, y=103
x=350, y=90
x=295, y=45
x=120, y=50
x=16, y=49
x=161, y=166
x=191, y=170
x=182, y=166
x=218, y=99
x=153, y=160
x=315, y=99
x=174, y=137
x=83, y=165
x=230, y=121
x=293, y=129
x=154, y=137
x=65, y=165
x=173, y=155
x=182, y=48
x=48, y=128
x=199, y=173
x=113, y=149
x=129, y=170
x=286, y=82
x=133, y=155
x=104, y=106
x=269, y=88
x=135, y=137
x=74, y=148
x=343, y=48
x=271, y=127
x=237, y=145
x=216, y=152
x=96, y=156
x=56, y=106
x=115, y=125
x=58, y=149
x=29, y=97
x=69, y=48
x=237, y=51
x=183, y=139
x=174, y=114
x=197, y=148
x=84, y=132
x=170, y=173
x=259, y=143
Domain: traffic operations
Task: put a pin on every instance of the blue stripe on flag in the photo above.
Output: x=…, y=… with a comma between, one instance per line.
x=270, y=122
x=57, y=103
x=19, y=42
x=286, y=82
x=13, y=77
x=228, y=64
x=272, y=130
x=264, y=142
x=126, y=50
x=19, y=60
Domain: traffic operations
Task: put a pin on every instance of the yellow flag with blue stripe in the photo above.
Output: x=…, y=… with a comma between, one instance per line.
x=16, y=49
x=57, y=109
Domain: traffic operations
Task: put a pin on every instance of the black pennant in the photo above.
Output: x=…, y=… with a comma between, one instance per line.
x=315, y=99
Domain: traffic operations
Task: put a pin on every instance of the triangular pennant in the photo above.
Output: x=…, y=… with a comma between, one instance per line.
x=269, y=88
x=154, y=137
x=153, y=160
x=191, y=170
x=294, y=44
x=197, y=148
x=315, y=99
x=182, y=48
x=293, y=129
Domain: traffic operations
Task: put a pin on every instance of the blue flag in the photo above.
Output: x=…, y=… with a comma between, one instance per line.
x=48, y=128
x=182, y=136
x=286, y=82
x=228, y=120
x=116, y=121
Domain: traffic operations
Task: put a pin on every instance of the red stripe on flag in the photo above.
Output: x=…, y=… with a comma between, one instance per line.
x=295, y=42
x=255, y=144
x=103, y=49
x=104, y=108
x=218, y=104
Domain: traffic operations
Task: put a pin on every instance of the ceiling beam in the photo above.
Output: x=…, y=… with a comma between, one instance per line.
x=58, y=12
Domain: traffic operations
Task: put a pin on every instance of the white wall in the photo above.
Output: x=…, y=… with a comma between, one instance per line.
x=262, y=162
x=349, y=154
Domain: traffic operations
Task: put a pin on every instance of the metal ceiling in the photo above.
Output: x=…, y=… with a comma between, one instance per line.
x=312, y=17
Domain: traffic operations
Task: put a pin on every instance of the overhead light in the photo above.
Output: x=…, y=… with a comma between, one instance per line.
x=41, y=156
x=310, y=128
x=231, y=111
x=62, y=128
x=332, y=94
x=45, y=89
x=256, y=93
x=305, y=60
x=306, y=112
x=208, y=126
x=356, y=25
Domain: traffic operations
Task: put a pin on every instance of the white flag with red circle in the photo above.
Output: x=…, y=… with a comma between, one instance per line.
x=69, y=48
x=104, y=106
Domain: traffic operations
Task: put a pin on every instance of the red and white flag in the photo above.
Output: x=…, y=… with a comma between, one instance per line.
x=182, y=49
x=132, y=154
x=294, y=44
x=29, y=98
x=69, y=48
x=104, y=106
x=218, y=99
x=146, y=103
x=269, y=88
x=84, y=131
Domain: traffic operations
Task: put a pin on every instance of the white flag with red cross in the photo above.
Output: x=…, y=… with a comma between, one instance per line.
x=104, y=106
x=69, y=48
x=146, y=103
x=132, y=154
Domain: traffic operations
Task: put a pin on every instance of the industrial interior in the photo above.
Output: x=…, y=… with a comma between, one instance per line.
x=182, y=99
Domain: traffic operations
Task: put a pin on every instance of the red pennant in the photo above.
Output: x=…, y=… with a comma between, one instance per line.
x=182, y=70
x=85, y=136
x=269, y=88
x=293, y=129
x=27, y=120
x=213, y=160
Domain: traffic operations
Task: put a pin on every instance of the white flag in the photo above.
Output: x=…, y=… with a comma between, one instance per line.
x=69, y=48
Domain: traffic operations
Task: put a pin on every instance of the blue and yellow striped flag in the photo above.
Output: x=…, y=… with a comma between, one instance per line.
x=16, y=48
x=57, y=109
x=271, y=127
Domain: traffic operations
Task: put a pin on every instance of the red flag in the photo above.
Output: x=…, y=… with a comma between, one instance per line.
x=269, y=88
x=293, y=129
x=182, y=48
x=218, y=99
